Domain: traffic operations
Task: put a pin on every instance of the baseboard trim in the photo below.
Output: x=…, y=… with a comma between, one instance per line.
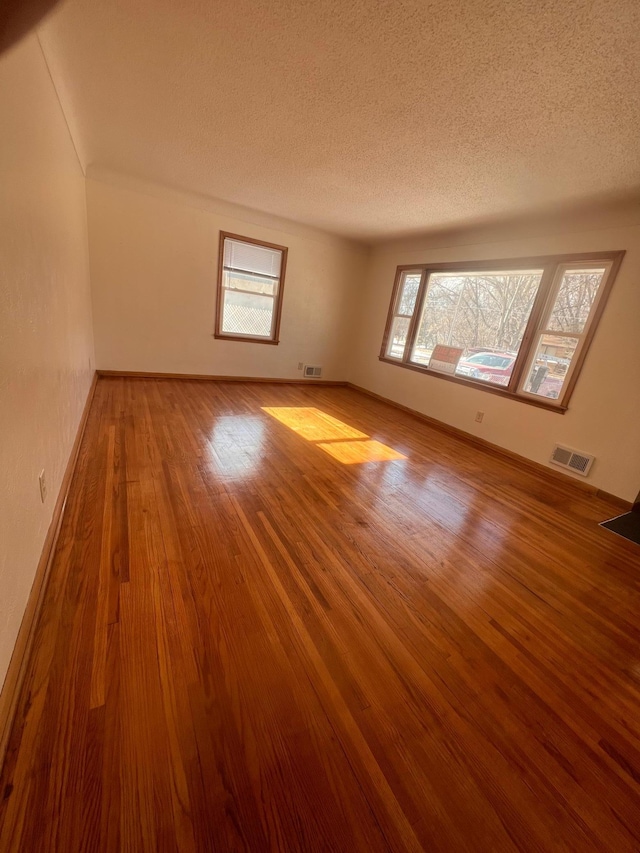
x=614, y=499
x=136, y=374
x=495, y=449
x=20, y=657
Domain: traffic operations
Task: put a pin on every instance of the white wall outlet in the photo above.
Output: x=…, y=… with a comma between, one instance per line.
x=300, y=365
x=43, y=486
x=479, y=417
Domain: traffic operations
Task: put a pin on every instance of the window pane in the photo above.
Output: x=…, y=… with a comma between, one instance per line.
x=247, y=313
x=548, y=372
x=246, y=281
x=483, y=313
x=398, y=337
x=248, y=256
x=577, y=293
x=408, y=293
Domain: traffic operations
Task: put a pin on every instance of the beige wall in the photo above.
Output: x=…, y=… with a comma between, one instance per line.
x=154, y=256
x=45, y=318
x=604, y=413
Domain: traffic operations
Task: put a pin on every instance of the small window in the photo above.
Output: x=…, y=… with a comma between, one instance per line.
x=519, y=328
x=405, y=302
x=250, y=285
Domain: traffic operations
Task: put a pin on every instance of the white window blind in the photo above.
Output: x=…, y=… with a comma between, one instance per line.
x=250, y=257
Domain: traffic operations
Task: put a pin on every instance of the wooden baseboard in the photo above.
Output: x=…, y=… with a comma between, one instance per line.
x=489, y=447
x=614, y=499
x=20, y=657
x=136, y=374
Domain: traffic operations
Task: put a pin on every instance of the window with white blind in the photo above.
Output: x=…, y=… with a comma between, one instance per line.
x=520, y=328
x=250, y=284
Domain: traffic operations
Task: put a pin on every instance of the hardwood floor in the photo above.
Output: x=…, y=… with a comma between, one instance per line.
x=254, y=639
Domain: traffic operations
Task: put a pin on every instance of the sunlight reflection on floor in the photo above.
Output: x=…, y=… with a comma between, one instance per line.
x=235, y=447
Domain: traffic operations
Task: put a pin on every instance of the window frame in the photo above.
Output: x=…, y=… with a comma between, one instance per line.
x=274, y=337
x=551, y=266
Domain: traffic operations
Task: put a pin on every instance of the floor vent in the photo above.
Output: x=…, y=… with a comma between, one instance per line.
x=312, y=372
x=572, y=459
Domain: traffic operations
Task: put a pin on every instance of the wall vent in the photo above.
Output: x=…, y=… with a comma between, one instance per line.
x=574, y=460
x=312, y=372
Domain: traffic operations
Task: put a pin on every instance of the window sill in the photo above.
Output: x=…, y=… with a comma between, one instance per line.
x=480, y=386
x=247, y=339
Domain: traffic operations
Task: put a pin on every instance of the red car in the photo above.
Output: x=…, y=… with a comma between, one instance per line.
x=491, y=366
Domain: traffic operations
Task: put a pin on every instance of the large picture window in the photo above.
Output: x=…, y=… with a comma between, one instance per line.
x=519, y=328
x=250, y=285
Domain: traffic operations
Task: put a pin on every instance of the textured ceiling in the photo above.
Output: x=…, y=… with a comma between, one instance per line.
x=368, y=118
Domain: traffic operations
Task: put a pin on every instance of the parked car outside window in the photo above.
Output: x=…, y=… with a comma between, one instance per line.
x=491, y=366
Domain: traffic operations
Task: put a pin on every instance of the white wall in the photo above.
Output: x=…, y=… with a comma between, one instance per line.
x=154, y=256
x=604, y=411
x=46, y=337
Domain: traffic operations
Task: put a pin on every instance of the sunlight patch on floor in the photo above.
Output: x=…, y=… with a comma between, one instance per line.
x=339, y=440
x=350, y=452
x=313, y=424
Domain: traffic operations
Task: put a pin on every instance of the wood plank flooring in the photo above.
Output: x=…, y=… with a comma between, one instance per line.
x=255, y=639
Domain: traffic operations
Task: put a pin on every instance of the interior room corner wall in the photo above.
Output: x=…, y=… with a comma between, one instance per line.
x=154, y=256
x=46, y=338
x=604, y=412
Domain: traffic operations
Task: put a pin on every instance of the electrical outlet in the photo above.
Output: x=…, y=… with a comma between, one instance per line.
x=479, y=417
x=300, y=365
x=43, y=486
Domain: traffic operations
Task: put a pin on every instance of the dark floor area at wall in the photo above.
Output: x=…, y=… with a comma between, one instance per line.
x=626, y=525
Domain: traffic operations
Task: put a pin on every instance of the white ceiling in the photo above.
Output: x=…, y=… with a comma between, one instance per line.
x=368, y=118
